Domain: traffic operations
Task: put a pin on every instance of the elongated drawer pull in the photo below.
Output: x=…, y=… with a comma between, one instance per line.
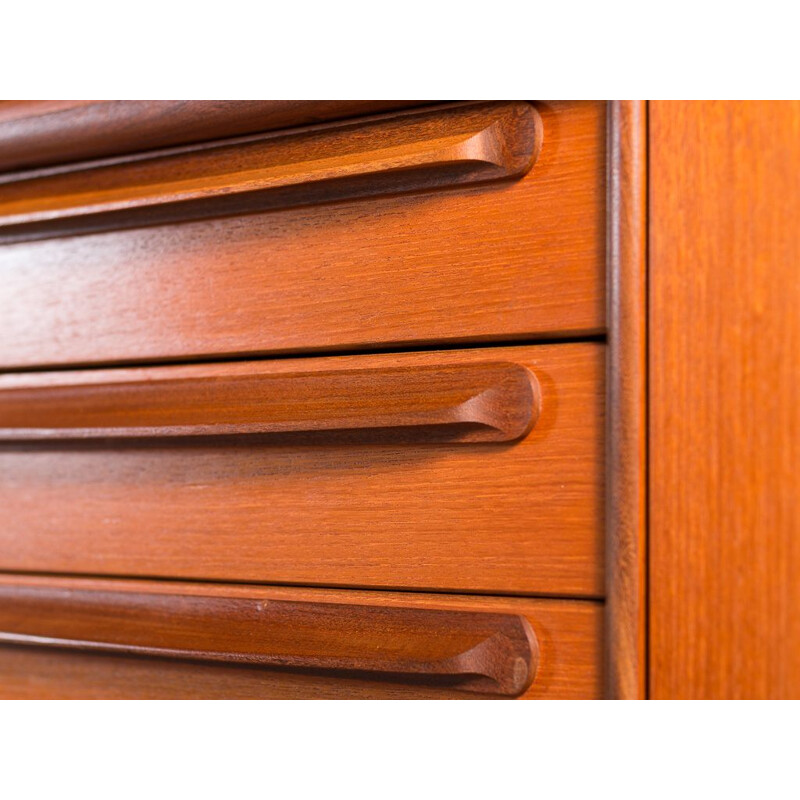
x=489, y=653
x=407, y=152
x=484, y=402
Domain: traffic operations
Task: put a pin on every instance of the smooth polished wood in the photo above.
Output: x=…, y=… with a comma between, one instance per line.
x=626, y=547
x=512, y=259
x=569, y=634
x=473, y=651
x=724, y=411
x=518, y=517
x=36, y=133
x=482, y=402
x=470, y=143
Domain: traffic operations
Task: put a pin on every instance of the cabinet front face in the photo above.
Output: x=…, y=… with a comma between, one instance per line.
x=359, y=365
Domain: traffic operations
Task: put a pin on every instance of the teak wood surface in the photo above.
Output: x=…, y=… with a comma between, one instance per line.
x=724, y=411
x=444, y=147
x=461, y=471
x=569, y=636
x=506, y=517
x=37, y=133
x=498, y=261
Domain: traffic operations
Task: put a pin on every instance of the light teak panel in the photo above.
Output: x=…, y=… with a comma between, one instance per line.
x=520, y=516
x=724, y=416
x=569, y=636
x=497, y=261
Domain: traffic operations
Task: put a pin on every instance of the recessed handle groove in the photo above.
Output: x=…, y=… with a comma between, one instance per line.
x=483, y=402
x=407, y=152
x=490, y=653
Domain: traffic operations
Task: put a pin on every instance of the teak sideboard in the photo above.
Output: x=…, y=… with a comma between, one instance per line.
x=399, y=399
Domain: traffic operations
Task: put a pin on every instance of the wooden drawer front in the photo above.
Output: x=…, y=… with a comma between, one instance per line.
x=290, y=242
x=403, y=470
x=65, y=637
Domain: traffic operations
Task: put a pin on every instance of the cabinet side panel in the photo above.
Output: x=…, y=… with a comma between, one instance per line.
x=724, y=417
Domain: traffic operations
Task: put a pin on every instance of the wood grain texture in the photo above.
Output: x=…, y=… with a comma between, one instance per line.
x=626, y=556
x=498, y=261
x=42, y=132
x=470, y=651
x=569, y=634
x=724, y=416
x=449, y=146
x=518, y=517
x=484, y=402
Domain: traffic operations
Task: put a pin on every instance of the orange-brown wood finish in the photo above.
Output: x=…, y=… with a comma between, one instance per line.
x=724, y=416
x=41, y=132
x=252, y=524
x=472, y=651
x=497, y=261
x=569, y=636
x=449, y=146
x=524, y=516
x=626, y=432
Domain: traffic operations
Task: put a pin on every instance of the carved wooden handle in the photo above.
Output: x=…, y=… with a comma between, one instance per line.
x=483, y=402
x=405, y=152
x=482, y=652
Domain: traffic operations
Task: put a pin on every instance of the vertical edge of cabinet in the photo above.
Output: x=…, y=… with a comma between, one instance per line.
x=626, y=531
